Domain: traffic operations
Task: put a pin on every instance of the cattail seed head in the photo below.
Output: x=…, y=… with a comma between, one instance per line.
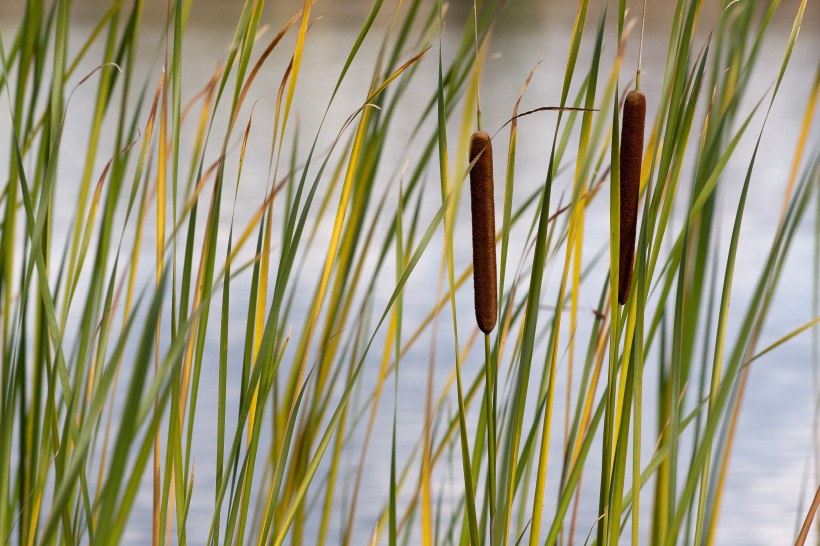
x=632, y=130
x=482, y=205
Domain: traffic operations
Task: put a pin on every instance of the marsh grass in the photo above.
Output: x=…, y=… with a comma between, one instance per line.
x=102, y=364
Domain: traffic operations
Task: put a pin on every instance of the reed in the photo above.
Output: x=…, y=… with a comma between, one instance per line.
x=632, y=131
x=485, y=288
x=482, y=207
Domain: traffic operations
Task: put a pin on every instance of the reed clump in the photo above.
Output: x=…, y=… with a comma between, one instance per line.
x=634, y=120
x=169, y=278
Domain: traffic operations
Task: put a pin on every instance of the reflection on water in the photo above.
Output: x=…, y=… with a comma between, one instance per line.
x=772, y=447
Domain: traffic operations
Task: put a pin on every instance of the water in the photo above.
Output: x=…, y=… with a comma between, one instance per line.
x=767, y=481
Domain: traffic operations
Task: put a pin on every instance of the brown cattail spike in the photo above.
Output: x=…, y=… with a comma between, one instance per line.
x=482, y=205
x=631, y=157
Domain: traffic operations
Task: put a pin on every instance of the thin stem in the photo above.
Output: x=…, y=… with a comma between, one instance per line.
x=478, y=79
x=804, y=531
x=491, y=439
x=640, y=49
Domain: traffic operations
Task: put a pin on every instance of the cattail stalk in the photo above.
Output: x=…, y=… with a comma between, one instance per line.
x=482, y=205
x=483, y=211
x=631, y=158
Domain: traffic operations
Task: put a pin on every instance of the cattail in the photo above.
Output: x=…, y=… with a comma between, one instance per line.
x=631, y=157
x=482, y=205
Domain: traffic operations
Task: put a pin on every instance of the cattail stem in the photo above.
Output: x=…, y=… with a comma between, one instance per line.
x=483, y=213
x=631, y=158
x=489, y=373
x=640, y=49
x=478, y=82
